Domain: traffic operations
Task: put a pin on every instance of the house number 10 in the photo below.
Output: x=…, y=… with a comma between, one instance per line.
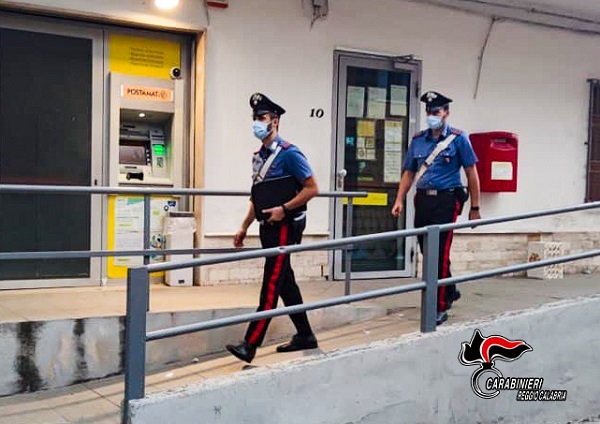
x=319, y=113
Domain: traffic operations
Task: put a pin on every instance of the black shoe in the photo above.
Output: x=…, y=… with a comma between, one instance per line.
x=299, y=343
x=441, y=318
x=243, y=351
x=456, y=296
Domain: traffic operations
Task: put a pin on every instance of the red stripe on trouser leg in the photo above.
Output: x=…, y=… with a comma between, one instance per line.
x=271, y=286
x=446, y=261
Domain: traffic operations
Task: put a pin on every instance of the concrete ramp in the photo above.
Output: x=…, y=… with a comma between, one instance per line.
x=411, y=379
x=57, y=353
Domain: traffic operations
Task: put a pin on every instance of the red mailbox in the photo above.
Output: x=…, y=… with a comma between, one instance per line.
x=497, y=167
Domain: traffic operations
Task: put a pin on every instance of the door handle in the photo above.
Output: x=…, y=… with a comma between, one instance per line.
x=340, y=179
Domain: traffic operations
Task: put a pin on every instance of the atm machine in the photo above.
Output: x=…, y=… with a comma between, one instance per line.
x=146, y=149
x=146, y=131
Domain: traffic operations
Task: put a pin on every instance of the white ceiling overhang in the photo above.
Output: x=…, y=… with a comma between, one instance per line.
x=573, y=15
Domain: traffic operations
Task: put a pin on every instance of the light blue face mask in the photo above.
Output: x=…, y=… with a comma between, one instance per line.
x=434, y=122
x=261, y=130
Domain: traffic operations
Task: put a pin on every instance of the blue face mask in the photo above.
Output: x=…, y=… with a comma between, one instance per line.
x=434, y=122
x=261, y=130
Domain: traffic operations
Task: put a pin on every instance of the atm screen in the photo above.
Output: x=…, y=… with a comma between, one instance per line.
x=132, y=155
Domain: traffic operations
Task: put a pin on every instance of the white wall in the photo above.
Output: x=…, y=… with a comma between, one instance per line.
x=533, y=83
x=189, y=15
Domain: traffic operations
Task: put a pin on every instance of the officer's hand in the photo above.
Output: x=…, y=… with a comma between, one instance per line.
x=238, y=239
x=277, y=214
x=397, y=209
x=473, y=215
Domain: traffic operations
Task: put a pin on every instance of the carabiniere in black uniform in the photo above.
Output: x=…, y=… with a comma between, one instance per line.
x=280, y=172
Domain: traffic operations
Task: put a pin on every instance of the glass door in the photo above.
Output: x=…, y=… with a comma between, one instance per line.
x=376, y=113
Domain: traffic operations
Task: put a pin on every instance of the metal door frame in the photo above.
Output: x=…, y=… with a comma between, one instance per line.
x=57, y=26
x=341, y=60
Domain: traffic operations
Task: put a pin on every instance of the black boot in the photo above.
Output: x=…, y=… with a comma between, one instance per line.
x=299, y=343
x=244, y=351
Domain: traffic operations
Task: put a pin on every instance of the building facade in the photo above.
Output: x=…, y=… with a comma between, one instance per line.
x=349, y=74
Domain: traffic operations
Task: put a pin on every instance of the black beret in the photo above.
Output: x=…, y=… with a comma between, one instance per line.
x=261, y=104
x=433, y=99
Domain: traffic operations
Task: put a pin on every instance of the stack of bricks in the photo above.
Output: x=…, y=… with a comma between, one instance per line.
x=479, y=252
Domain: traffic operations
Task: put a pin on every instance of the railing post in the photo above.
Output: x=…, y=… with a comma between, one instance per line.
x=348, y=248
x=431, y=250
x=135, y=337
x=147, y=215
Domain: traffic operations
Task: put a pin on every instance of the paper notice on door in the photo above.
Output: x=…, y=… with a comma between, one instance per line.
x=398, y=100
x=361, y=153
x=392, y=166
x=392, y=163
x=365, y=148
x=365, y=128
x=355, y=102
x=393, y=135
x=376, y=103
x=502, y=171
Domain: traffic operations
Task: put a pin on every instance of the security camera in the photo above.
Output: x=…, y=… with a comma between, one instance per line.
x=175, y=72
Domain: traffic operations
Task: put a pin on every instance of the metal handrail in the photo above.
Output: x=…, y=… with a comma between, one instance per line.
x=81, y=254
x=274, y=251
x=254, y=316
x=147, y=193
x=138, y=283
x=64, y=189
x=372, y=294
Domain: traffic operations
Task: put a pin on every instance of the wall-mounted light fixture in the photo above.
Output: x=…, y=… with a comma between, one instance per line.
x=166, y=4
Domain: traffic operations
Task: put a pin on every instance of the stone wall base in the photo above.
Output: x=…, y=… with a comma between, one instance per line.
x=470, y=253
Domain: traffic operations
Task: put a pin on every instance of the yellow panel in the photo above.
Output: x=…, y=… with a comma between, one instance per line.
x=113, y=271
x=115, y=268
x=372, y=199
x=145, y=57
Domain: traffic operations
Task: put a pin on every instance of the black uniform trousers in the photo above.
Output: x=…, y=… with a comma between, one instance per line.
x=443, y=208
x=279, y=280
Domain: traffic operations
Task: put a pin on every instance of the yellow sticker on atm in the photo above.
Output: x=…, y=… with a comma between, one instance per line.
x=372, y=199
x=146, y=57
x=138, y=92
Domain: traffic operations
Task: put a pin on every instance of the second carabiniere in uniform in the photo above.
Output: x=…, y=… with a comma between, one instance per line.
x=433, y=161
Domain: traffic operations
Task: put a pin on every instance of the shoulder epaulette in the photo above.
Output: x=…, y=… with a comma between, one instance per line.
x=285, y=145
x=419, y=134
x=456, y=131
